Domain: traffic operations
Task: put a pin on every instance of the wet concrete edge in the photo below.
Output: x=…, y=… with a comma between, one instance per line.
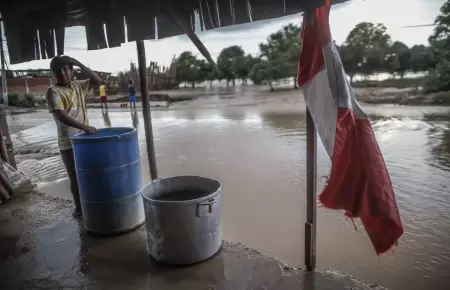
x=41, y=247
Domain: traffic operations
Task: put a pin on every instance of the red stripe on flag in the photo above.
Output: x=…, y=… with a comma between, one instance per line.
x=359, y=182
x=315, y=35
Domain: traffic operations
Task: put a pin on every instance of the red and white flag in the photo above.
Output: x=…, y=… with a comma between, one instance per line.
x=359, y=182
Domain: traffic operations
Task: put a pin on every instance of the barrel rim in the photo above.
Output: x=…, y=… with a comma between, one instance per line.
x=172, y=202
x=74, y=138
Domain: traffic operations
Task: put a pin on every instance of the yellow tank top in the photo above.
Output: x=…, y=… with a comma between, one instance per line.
x=102, y=90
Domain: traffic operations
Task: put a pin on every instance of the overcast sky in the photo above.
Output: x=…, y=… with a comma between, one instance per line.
x=397, y=15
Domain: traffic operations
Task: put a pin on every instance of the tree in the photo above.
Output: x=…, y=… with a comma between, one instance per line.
x=226, y=59
x=367, y=45
x=442, y=24
x=188, y=68
x=265, y=72
x=349, y=61
x=421, y=58
x=282, y=50
x=208, y=72
x=398, y=59
x=241, y=66
x=438, y=79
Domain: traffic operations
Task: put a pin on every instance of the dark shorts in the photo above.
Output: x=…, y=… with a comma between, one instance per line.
x=132, y=99
x=103, y=99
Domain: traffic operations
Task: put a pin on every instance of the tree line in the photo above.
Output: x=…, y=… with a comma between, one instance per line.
x=367, y=50
x=277, y=60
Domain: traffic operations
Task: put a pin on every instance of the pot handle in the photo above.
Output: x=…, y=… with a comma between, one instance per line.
x=206, y=208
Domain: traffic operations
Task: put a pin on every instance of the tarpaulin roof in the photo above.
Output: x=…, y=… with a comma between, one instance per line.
x=33, y=26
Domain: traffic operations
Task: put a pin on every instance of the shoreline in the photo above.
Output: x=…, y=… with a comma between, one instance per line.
x=368, y=95
x=254, y=96
x=404, y=97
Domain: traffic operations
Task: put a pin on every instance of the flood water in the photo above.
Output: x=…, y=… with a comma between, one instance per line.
x=259, y=155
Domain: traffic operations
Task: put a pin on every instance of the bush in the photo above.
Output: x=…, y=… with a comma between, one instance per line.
x=27, y=101
x=13, y=99
x=442, y=98
x=24, y=101
x=390, y=83
x=438, y=79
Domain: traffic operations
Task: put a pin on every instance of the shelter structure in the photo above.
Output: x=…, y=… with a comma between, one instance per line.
x=35, y=30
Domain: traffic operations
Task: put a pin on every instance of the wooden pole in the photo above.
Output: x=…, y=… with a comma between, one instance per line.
x=3, y=151
x=7, y=137
x=146, y=109
x=311, y=189
x=2, y=59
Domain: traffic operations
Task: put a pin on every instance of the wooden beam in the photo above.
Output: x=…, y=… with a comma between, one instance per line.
x=146, y=109
x=311, y=190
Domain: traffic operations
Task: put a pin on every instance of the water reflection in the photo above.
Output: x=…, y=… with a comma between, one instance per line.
x=286, y=124
x=106, y=118
x=134, y=118
x=439, y=140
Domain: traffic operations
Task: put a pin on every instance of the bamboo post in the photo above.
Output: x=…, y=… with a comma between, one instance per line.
x=27, y=89
x=7, y=137
x=146, y=109
x=311, y=189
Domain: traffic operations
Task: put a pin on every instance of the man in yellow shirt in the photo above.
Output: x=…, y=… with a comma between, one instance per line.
x=66, y=101
x=103, y=96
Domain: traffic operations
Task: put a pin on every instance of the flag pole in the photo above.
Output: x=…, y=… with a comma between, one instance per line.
x=146, y=109
x=311, y=189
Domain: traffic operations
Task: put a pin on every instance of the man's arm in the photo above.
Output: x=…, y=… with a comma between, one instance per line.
x=63, y=117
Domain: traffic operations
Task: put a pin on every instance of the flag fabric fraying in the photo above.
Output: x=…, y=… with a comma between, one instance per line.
x=359, y=182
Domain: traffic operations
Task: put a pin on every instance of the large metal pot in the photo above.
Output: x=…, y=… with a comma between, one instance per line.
x=183, y=219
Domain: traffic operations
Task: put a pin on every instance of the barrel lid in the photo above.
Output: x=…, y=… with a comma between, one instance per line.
x=105, y=134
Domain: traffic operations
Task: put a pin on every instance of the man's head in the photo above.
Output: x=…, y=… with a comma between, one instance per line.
x=62, y=68
x=130, y=82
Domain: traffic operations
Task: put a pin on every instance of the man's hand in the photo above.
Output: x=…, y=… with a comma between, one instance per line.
x=71, y=60
x=90, y=129
x=75, y=62
x=95, y=79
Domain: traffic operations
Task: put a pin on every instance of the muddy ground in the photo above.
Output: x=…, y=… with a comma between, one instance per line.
x=404, y=96
x=43, y=247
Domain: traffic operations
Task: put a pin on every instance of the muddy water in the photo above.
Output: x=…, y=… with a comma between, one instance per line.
x=258, y=153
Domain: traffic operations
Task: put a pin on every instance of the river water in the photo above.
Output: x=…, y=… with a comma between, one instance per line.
x=259, y=155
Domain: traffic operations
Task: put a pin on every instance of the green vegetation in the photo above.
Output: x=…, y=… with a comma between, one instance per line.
x=391, y=83
x=367, y=51
x=278, y=60
x=442, y=98
x=21, y=100
x=189, y=68
x=439, y=77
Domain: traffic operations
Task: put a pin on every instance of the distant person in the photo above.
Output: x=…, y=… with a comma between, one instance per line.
x=103, y=96
x=67, y=102
x=132, y=93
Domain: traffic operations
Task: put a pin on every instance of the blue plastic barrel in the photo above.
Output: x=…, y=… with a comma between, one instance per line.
x=109, y=177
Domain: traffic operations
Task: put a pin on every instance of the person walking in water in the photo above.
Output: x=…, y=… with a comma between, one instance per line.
x=103, y=96
x=132, y=93
x=66, y=101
